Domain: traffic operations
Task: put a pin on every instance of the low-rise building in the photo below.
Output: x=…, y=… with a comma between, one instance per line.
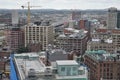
x=105, y=39
x=30, y=66
x=73, y=40
x=70, y=70
x=101, y=44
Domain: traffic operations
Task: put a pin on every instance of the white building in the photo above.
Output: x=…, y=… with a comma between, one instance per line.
x=112, y=18
x=39, y=34
x=15, y=17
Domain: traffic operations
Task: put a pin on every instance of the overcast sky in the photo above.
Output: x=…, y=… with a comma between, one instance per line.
x=61, y=4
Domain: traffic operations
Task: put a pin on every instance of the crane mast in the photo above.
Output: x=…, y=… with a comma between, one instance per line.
x=28, y=14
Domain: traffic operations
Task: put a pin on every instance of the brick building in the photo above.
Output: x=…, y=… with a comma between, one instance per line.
x=15, y=38
x=103, y=65
x=75, y=40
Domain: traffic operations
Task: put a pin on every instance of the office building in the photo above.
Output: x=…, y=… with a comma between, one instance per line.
x=105, y=39
x=113, y=19
x=102, y=65
x=73, y=40
x=101, y=44
x=39, y=33
x=118, y=19
x=15, y=17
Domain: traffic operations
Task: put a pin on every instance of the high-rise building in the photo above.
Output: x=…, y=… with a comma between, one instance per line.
x=15, y=38
x=112, y=18
x=102, y=65
x=15, y=18
x=41, y=34
x=118, y=19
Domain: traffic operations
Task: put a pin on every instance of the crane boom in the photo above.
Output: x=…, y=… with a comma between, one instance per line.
x=28, y=6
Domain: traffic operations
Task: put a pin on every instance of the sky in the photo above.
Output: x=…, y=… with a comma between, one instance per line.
x=60, y=4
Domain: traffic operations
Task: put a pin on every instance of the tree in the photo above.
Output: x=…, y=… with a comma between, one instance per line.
x=23, y=50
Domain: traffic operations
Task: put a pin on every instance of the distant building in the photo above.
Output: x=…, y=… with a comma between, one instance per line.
x=84, y=24
x=37, y=33
x=101, y=44
x=102, y=65
x=112, y=18
x=15, y=17
x=105, y=39
x=118, y=19
x=15, y=38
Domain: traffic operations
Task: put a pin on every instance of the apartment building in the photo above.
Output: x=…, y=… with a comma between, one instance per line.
x=41, y=34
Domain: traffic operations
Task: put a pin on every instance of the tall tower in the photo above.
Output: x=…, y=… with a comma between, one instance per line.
x=118, y=19
x=112, y=18
x=15, y=17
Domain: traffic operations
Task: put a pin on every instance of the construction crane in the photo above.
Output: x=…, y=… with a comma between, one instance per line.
x=28, y=7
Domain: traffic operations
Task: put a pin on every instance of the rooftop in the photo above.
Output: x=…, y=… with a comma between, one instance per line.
x=29, y=66
x=28, y=61
x=102, y=55
x=73, y=33
x=109, y=41
x=67, y=62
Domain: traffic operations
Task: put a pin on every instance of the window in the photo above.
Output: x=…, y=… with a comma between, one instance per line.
x=62, y=68
x=74, y=68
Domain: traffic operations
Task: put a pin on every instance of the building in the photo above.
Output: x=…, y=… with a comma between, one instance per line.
x=15, y=18
x=84, y=24
x=14, y=38
x=102, y=65
x=101, y=44
x=39, y=33
x=113, y=19
x=4, y=59
x=73, y=40
x=101, y=38
x=34, y=47
x=118, y=19
x=70, y=70
x=31, y=67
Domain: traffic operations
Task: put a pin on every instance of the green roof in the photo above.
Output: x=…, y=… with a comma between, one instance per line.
x=96, y=52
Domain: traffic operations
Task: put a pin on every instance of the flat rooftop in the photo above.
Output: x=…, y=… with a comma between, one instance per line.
x=67, y=62
x=102, y=55
x=26, y=62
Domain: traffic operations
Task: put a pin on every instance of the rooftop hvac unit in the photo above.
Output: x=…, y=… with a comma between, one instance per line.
x=31, y=73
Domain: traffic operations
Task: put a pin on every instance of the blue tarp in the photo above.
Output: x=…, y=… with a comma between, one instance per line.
x=13, y=75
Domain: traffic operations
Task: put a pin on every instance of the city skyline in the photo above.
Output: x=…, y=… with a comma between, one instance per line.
x=61, y=4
